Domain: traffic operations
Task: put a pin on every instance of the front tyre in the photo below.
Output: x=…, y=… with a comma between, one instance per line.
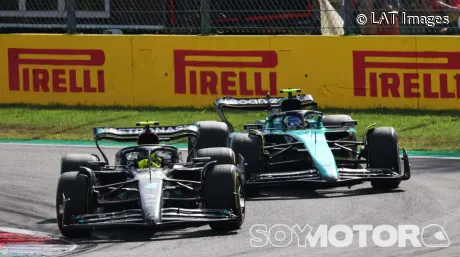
x=72, y=186
x=383, y=152
x=223, y=190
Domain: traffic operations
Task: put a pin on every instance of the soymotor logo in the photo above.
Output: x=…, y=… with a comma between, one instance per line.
x=232, y=79
x=60, y=73
x=281, y=235
x=419, y=78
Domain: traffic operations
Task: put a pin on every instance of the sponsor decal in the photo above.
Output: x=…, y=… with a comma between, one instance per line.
x=156, y=173
x=160, y=130
x=413, y=75
x=56, y=70
x=225, y=72
x=232, y=101
x=151, y=185
x=136, y=131
x=253, y=126
x=304, y=99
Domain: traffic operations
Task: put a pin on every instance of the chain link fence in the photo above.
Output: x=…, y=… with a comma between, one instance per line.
x=235, y=17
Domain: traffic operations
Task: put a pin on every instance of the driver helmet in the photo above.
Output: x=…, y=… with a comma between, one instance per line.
x=147, y=138
x=143, y=160
x=293, y=122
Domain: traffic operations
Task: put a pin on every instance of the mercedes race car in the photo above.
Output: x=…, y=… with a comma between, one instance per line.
x=149, y=185
x=297, y=144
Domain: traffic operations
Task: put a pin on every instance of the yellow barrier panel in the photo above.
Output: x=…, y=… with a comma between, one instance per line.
x=194, y=71
x=438, y=72
x=172, y=71
x=86, y=70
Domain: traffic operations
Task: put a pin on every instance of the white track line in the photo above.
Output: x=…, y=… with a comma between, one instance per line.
x=433, y=157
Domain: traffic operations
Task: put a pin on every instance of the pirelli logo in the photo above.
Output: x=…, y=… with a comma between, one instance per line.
x=56, y=70
x=230, y=73
x=406, y=74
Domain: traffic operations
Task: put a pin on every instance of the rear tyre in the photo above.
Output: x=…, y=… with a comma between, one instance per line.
x=72, y=162
x=223, y=155
x=73, y=186
x=223, y=190
x=383, y=152
x=211, y=134
x=250, y=147
x=335, y=119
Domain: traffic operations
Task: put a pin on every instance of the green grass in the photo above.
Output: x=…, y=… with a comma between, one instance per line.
x=417, y=130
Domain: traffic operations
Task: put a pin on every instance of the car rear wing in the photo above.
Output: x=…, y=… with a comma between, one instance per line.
x=257, y=104
x=260, y=104
x=165, y=133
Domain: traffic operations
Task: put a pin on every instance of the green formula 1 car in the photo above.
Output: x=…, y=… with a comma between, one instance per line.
x=297, y=144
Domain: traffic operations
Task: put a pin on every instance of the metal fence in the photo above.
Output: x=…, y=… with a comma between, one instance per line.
x=254, y=17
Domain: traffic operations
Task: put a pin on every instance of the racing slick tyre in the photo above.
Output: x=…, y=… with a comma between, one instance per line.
x=250, y=147
x=223, y=190
x=72, y=162
x=337, y=120
x=223, y=155
x=383, y=152
x=212, y=134
x=73, y=186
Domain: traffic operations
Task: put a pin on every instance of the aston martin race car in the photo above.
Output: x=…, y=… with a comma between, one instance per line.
x=298, y=144
x=149, y=185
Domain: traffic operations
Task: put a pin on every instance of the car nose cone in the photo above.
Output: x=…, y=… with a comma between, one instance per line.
x=331, y=178
x=331, y=174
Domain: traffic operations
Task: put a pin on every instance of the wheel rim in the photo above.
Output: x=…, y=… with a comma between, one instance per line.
x=60, y=211
x=242, y=201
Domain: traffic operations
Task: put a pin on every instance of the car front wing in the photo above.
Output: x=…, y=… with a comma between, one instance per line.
x=347, y=177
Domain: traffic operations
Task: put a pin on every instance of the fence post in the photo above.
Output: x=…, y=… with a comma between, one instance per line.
x=205, y=17
x=71, y=17
x=347, y=16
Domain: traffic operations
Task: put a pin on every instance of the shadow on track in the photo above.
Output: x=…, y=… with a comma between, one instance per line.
x=303, y=194
x=132, y=235
x=142, y=235
x=48, y=221
x=102, y=239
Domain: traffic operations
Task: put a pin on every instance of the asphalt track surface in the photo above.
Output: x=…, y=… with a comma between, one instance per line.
x=29, y=175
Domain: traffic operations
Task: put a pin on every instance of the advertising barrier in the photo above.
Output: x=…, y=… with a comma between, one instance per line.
x=42, y=69
x=192, y=71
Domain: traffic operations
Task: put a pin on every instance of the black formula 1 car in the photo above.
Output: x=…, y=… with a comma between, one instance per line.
x=149, y=185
